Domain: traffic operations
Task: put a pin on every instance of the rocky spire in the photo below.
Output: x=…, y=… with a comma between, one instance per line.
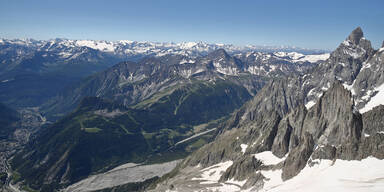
x=356, y=35
x=382, y=45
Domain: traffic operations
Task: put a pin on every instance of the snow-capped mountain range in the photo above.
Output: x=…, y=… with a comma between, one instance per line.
x=151, y=75
x=61, y=54
x=59, y=62
x=131, y=48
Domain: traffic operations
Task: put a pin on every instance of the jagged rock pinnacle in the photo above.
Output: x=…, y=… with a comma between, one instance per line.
x=356, y=35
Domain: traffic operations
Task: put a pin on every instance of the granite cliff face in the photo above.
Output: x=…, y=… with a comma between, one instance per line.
x=345, y=64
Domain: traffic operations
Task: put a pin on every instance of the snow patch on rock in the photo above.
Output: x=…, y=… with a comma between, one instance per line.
x=268, y=158
x=376, y=100
x=243, y=148
x=213, y=173
x=310, y=104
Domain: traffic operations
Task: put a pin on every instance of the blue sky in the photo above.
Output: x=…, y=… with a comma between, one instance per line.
x=304, y=23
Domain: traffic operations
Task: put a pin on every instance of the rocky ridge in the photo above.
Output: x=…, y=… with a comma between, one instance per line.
x=299, y=119
x=45, y=68
x=132, y=82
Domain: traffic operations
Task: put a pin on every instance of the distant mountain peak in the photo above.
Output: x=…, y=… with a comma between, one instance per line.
x=356, y=35
x=355, y=46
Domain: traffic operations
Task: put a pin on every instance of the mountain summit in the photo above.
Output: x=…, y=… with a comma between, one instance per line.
x=356, y=35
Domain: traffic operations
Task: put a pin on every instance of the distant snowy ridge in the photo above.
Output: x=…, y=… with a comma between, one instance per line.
x=127, y=47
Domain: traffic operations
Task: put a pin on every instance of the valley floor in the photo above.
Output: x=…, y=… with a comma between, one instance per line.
x=127, y=173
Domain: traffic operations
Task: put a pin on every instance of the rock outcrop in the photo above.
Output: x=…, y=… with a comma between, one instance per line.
x=356, y=35
x=242, y=169
x=373, y=120
x=298, y=157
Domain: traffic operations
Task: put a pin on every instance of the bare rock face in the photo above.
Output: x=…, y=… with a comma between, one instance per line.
x=348, y=151
x=256, y=181
x=296, y=119
x=224, y=148
x=281, y=142
x=373, y=138
x=280, y=95
x=334, y=119
x=372, y=146
x=324, y=152
x=260, y=131
x=242, y=169
x=373, y=120
x=298, y=157
x=356, y=35
x=354, y=136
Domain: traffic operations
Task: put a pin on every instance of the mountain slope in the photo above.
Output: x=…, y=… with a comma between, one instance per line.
x=275, y=148
x=174, y=104
x=44, y=68
x=132, y=82
x=8, y=121
x=100, y=134
x=32, y=72
x=82, y=143
x=344, y=65
x=275, y=136
x=23, y=56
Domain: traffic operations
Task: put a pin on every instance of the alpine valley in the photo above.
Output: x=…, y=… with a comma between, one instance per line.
x=82, y=115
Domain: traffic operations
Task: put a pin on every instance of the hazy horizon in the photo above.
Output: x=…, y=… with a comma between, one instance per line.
x=311, y=25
